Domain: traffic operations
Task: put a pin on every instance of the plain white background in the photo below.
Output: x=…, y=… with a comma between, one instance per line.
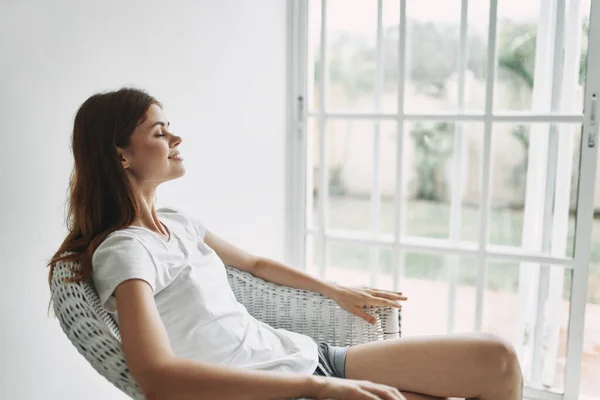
x=218, y=67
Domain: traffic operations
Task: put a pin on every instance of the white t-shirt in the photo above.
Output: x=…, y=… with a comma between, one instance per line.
x=202, y=317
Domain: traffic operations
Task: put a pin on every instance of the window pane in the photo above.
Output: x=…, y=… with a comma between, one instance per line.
x=313, y=255
x=389, y=89
x=510, y=310
x=313, y=53
x=590, y=371
x=351, y=54
x=589, y=383
x=521, y=184
x=516, y=46
x=581, y=66
x=432, y=54
x=351, y=263
x=312, y=173
x=425, y=283
x=523, y=38
x=477, y=52
x=350, y=145
x=431, y=157
x=465, y=306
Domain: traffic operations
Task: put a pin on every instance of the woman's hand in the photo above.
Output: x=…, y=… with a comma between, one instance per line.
x=351, y=389
x=353, y=299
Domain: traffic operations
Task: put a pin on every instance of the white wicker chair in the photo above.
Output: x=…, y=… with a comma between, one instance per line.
x=96, y=335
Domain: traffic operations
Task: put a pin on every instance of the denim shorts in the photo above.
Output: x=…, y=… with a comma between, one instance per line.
x=332, y=360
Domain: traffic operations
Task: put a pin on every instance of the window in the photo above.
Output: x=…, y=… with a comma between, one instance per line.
x=441, y=148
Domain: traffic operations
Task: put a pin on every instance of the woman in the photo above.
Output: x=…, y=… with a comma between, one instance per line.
x=160, y=274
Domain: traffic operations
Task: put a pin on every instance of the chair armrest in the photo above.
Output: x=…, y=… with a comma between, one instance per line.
x=310, y=313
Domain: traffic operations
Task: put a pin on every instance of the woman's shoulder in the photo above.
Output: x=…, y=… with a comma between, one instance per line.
x=173, y=213
x=179, y=216
x=124, y=235
x=169, y=210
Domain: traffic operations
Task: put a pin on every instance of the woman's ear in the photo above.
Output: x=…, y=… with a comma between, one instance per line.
x=123, y=158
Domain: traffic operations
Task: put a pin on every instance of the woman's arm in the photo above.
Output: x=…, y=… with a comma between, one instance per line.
x=162, y=375
x=267, y=269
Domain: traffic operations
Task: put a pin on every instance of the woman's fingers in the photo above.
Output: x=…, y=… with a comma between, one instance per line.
x=389, y=295
x=367, y=395
x=385, y=392
x=379, y=301
x=382, y=290
x=364, y=315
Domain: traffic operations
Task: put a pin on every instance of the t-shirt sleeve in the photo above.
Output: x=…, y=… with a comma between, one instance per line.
x=117, y=259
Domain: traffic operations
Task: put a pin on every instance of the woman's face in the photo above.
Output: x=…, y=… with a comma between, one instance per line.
x=152, y=152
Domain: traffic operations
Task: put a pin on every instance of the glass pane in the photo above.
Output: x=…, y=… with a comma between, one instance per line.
x=312, y=173
x=510, y=310
x=313, y=53
x=388, y=145
x=431, y=54
x=313, y=255
x=385, y=276
x=583, y=23
x=351, y=263
x=477, y=52
x=523, y=180
x=516, y=46
x=436, y=152
x=350, y=165
x=351, y=54
x=520, y=83
x=466, y=295
x=350, y=156
x=590, y=368
x=425, y=283
x=389, y=89
x=425, y=280
x=432, y=69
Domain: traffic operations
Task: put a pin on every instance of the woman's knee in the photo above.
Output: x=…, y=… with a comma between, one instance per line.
x=500, y=359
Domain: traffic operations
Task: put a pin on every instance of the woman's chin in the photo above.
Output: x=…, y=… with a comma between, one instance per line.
x=178, y=174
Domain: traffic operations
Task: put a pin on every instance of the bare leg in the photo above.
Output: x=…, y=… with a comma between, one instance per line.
x=474, y=365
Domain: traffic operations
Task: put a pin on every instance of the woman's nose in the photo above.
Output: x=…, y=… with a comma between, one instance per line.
x=177, y=140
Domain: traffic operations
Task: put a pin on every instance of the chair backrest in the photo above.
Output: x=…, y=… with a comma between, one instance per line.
x=90, y=328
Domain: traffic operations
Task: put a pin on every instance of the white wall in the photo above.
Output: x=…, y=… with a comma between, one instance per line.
x=219, y=69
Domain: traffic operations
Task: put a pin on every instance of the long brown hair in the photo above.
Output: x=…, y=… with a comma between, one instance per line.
x=101, y=199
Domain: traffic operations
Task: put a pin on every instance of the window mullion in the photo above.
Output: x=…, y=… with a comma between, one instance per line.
x=323, y=162
x=564, y=166
x=486, y=169
x=541, y=324
x=376, y=186
x=296, y=138
x=459, y=161
x=401, y=183
x=512, y=116
x=534, y=221
x=585, y=210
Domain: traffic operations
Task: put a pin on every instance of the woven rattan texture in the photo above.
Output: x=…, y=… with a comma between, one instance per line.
x=96, y=335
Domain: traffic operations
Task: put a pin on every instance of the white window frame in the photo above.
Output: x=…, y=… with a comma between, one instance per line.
x=535, y=253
